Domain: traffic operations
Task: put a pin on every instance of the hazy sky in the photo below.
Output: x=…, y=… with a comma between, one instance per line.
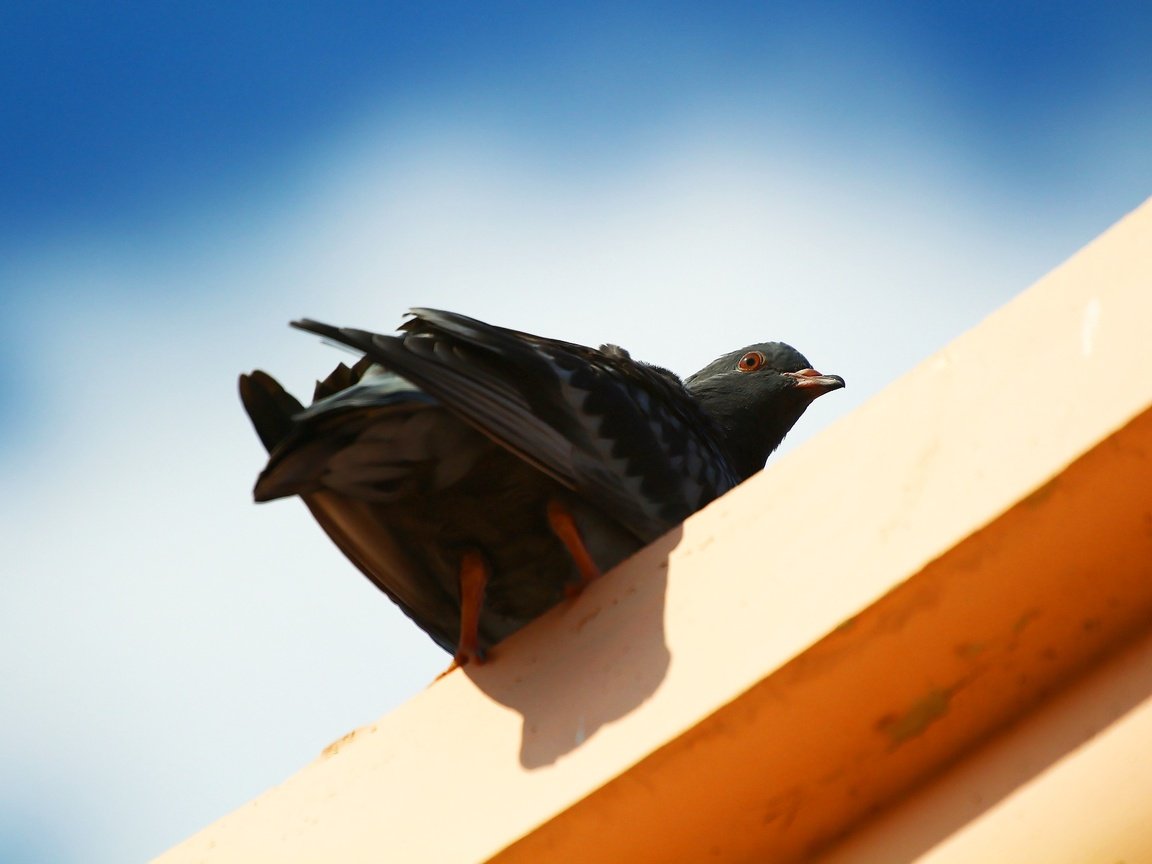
x=177, y=182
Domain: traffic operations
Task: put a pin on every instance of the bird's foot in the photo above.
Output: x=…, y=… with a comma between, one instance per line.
x=463, y=658
x=564, y=527
x=473, y=581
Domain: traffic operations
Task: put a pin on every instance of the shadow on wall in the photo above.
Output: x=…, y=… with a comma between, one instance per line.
x=570, y=679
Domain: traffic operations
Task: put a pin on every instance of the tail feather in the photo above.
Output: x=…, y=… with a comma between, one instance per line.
x=269, y=406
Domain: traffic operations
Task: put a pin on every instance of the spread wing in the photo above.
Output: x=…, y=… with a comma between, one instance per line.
x=626, y=436
x=358, y=527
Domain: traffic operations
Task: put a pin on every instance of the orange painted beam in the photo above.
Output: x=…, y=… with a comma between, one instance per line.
x=898, y=690
x=807, y=649
x=1071, y=783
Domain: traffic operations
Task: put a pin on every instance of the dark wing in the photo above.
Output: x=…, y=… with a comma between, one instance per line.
x=626, y=436
x=361, y=529
x=371, y=440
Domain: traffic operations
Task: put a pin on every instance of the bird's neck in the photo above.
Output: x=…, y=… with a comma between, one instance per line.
x=748, y=436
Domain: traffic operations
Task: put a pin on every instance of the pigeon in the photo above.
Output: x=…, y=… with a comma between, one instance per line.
x=479, y=475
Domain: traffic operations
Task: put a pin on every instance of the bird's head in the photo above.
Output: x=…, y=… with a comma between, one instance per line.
x=756, y=395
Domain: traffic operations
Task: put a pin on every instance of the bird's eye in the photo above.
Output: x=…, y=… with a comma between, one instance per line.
x=751, y=361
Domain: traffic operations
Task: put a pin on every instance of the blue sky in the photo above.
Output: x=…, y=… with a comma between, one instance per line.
x=112, y=109
x=176, y=182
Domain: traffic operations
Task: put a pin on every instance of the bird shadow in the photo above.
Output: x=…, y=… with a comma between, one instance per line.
x=587, y=662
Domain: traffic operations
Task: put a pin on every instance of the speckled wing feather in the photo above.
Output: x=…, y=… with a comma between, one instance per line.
x=620, y=433
x=642, y=436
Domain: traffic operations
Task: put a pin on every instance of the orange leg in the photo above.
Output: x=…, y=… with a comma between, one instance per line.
x=564, y=527
x=473, y=580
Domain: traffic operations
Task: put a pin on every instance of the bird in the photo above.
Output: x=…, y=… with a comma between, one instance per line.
x=480, y=475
